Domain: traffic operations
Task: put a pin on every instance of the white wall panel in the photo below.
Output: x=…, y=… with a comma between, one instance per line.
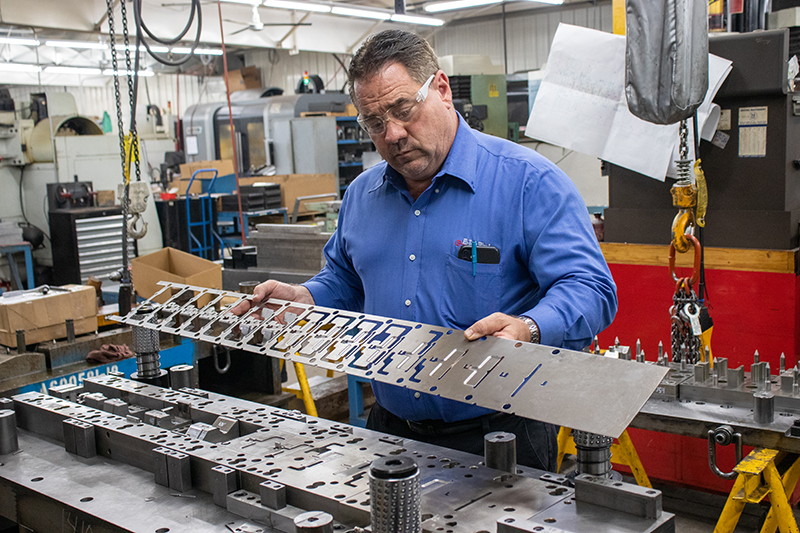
x=281, y=69
x=528, y=35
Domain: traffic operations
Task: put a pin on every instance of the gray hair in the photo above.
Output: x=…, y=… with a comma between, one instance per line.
x=392, y=46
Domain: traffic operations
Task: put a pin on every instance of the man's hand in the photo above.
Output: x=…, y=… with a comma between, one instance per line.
x=499, y=325
x=275, y=289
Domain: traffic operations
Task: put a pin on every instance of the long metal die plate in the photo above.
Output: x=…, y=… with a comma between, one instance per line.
x=564, y=387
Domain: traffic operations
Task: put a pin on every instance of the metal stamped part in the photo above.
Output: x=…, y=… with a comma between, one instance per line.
x=581, y=391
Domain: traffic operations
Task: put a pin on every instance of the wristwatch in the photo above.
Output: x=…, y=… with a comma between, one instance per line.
x=533, y=327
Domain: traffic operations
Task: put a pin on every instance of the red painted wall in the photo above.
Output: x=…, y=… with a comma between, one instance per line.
x=751, y=311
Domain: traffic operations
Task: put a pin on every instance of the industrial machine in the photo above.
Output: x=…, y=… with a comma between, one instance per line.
x=270, y=132
x=751, y=165
x=136, y=456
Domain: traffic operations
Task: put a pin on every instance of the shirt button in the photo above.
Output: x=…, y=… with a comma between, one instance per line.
x=416, y=395
x=412, y=257
x=408, y=302
x=436, y=191
x=417, y=212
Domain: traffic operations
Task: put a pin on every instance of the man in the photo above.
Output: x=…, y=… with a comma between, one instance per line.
x=454, y=226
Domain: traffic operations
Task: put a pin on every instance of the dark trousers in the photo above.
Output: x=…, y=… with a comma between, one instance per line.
x=536, y=441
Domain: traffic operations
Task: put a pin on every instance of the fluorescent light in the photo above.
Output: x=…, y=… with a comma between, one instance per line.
x=73, y=70
x=363, y=13
x=247, y=2
x=553, y=2
x=142, y=73
x=19, y=41
x=458, y=4
x=411, y=19
x=299, y=6
x=19, y=67
x=153, y=48
x=77, y=45
x=199, y=51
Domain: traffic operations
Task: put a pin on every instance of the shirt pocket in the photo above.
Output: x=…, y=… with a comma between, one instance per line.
x=469, y=295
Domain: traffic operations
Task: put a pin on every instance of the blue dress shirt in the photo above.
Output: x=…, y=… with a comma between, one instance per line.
x=397, y=257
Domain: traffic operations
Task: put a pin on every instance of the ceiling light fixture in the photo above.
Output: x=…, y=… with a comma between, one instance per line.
x=198, y=51
x=20, y=41
x=88, y=71
x=153, y=48
x=363, y=13
x=142, y=73
x=411, y=19
x=19, y=67
x=79, y=45
x=551, y=2
x=298, y=6
x=458, y=4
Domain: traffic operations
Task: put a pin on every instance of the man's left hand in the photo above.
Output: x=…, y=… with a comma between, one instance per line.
x=499, y=325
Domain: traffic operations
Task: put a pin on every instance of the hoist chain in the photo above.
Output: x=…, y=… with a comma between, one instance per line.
x=117, y=98
x=130, y=75
x=685, y=342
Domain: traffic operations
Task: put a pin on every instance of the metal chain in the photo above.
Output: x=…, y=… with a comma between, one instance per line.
x=117, y=97
x=684, y=164
x=684, y=342
x=131, y=74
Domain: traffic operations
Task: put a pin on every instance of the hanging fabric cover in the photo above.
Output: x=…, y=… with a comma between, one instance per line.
x=666, y=58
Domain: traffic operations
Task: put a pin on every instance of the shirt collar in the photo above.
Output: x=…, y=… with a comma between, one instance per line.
x=460, y=163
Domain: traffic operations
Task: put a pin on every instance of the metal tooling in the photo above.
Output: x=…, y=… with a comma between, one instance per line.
x=574, y=389
x=695, y=399
x=272, y=467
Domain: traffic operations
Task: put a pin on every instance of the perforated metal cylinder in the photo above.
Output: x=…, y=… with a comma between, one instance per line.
x=395, y=495
x=8, y=432
x=500, y=451
x=594, y=453
x=146, y=346
x=313, y=522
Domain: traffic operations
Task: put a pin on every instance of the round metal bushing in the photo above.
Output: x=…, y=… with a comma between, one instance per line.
x=313, y=522
x=763, y=407
x=247, y=287
x=593, y=453
x=8, y=432
x=181, y=376
x=500, y=451
x=395, y=495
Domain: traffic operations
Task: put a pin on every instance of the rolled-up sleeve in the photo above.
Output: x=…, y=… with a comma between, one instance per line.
x=338, y=284
x=578, y=294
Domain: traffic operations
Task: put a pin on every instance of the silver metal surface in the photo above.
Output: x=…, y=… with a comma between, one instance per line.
x=500, y=451
x=574, y=389
x=315, y=464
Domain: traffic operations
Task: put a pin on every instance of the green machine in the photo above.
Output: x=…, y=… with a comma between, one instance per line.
x=487, y=95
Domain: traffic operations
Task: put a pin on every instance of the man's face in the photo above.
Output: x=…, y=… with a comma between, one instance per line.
x=416, y=148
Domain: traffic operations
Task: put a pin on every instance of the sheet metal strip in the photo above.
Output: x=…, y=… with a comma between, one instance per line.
x=564, y=387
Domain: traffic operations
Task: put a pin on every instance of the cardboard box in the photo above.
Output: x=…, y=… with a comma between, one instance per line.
x=43, y=316
x=223, y=167
x=294, y=185
x=245, y=78
x=105, y=199
x=173, y=265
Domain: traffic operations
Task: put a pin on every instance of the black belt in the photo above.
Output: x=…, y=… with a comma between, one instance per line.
x=440, y=427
